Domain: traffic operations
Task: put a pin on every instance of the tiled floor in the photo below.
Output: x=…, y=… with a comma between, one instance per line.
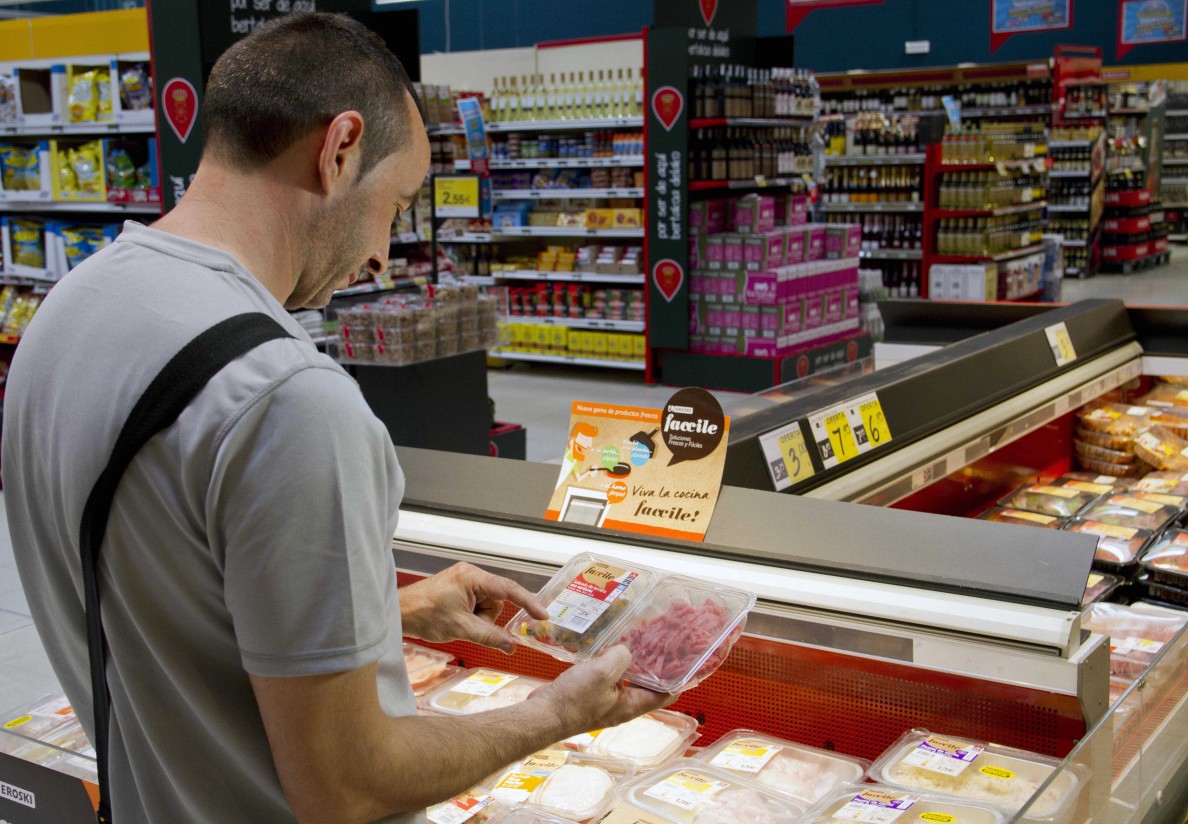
x=538, y=397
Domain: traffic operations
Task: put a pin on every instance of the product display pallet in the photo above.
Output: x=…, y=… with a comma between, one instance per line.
x=1128, y=267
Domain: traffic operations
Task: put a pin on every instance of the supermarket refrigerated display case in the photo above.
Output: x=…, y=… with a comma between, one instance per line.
x=875, y=619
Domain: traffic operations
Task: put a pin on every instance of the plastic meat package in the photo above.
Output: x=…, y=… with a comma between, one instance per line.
x=1137, y=634
x=1121, y=443
x=1058, y=501
x=977, y=771
x=646, y=741
x=1099, y=587
x=876, y=802
x=1161, y=448
x=480, y=690
x=521, y=814
x=475, y=806
x=575, y=785
x=1114, y=418
x=1117, y=546
x=424, y=665
x=1167, y=558
x=1167, y=483
x=1003, y=515
x=1101, y=454
x=693, y=792
x=679, y=630
x=1136, y=509
x=1092, y=487
x=805, y=773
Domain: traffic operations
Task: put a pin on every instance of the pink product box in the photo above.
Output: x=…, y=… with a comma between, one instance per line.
x=814, y=241
x=753, y=214
x=762, y=289
x=764, y=251
x=792, y=210
x=715, y=252
x=695, y=255
x=794, y=247
x=835, y=301
x=842, y=240
x=851, y=302
x=733, y=256
x=715, y=216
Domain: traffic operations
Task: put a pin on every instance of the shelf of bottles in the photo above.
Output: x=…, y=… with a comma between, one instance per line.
x=1024, y=97
x=1075, y=194
x=581, y=100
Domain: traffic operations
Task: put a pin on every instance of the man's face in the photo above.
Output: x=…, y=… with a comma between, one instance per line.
x=356, y=229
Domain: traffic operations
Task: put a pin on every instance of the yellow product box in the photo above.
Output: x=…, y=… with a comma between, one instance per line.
x=600, y=218
x=579, y=344
x=560, y=339
x=612, y=345
x=640, y=347
x=627, y=218
x=599, y=344
x=515, y=336
x=543, y=337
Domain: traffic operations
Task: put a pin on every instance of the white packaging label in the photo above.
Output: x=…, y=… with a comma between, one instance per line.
x=483, y=683
x=459, y=810
x=1138, y=411
x=876, y=807
x=686, y=790
x=1104, y=479
x=589, y=595
x=943, y=756
x=1125, y=646
x=746, y=756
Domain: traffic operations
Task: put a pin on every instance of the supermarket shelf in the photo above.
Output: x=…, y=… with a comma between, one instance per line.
x=566, y=231
x=536, y=194
x=1177, y=112
x=12, y=279
x=1017, y=208
x=101, y=207
x=874, y=160
x=1129, y=111
x=756, y=183
x=1067, y=208
x=1070, y=172
x=774, y=122
x=407, y=239
x=80, y=129
x=1017, y=163
x=479, y=280
x=1070, y=144
x=1176, y=136
x=1082, y=115
x=468, y=237
x=1025, y=298
x=575, y=277
x=436, y=130
x=567, y=125
x=625, y=161
x=320, y=340
x=872, y=207
x=11, y=339
x=579, y=323
x=1006, y=111
x=530, y=358
x=1179, y=238
x=1077, y=243
x=892, y=254
x=1172, y=161
x=365, y=289
x=1001, y=256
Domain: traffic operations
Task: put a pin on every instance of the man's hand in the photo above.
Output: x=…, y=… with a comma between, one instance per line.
x=592, y=695
x=461, y=604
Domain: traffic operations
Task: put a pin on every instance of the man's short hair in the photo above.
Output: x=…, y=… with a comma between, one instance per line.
x=296, y=74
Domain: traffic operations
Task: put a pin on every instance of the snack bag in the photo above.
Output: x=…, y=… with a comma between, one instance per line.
x=8, y=296
x=67, y=179
x=83, y=102
x=29, y=177
x=11, y=167
x=103, y=93
x=136, y=92
x=121, y=172
x=79, y=244
x=8, y=106
x=144, y=177
x=87, y=163
x=28, y=246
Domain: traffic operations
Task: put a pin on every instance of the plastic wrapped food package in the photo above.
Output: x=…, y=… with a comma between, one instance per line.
x=424, y=664
x=1091, y=477
x=1004, y=515
x=564, y=783
x=1173, y=418
x=1131, y=510
x=1059, y=501
x=805, y=773
x=42, y=720
x=523, y=814
x=1134, y=470
x=875, y=802
x=1137, y=634
x=1162, y=449
x=356, y=352
x=480, y=690
x=1120, y=443
x=1101, y=454
x=1099, y=587
x=693, y=792
x=1092, y=487
x=1167, y=558
x=645, y=742
x=395, y=354
x=1168, y=483
x=1167, y=393
x=978, y=771
x=1117, y=546
x=475, y=806
x=1114, y=418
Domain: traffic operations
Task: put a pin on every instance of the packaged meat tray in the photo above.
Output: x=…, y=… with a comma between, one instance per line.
x=679, y=630
x=1167, y=559
x=1162, y=449
x=447, y=674
x=646, y=742
x=47, y=719
x=522, y=814
x=475, y=806
x=1092, y=487
x=1100, y=454
x=424, y=665
x=1114, y=418
x=1134, y=470
x=1120, y=443
x=1174, y=597
x=1167, y=394
x=693, y=792
x=1058, y=501
x=1004, y=515
x=1118, y=547
x=805, y=773
x=977, y=771
x=1175, y=419
x=1131, y=509
x=1167, y=483
x=1099, y=587
x=573, y=785
x=480, y=690
x=885, y=804
x=1090, y=477
x=1137, y=633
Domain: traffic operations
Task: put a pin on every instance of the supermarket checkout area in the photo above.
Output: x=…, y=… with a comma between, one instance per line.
x=873, y=620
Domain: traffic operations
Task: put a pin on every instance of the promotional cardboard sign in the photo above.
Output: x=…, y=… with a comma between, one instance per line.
x=652, y=471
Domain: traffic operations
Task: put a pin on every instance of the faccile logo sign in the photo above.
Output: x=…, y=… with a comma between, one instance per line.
x=667, y=104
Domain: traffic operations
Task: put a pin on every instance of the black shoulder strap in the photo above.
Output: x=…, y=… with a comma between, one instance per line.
x=170, y=392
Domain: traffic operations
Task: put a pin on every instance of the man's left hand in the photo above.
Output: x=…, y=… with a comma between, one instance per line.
x=462, y=604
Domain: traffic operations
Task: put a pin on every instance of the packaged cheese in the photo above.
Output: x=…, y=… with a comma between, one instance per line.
x=480, y=690
x=889, y=805
x=805, y=773
x=646, y=742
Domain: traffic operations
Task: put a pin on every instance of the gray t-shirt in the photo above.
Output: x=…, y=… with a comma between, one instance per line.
x=253, y=535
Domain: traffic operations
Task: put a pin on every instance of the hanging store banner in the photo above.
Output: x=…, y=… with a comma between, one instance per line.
x=1011, y=17
x=737, y=18
x=1143, y=22
x=797, y=10
x=651, y=471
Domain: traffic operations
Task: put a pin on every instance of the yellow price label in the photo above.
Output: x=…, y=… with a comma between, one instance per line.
x=841, y=436
x=456, y=196
x=875, y=422
x=795, y=453
x=1061, y=344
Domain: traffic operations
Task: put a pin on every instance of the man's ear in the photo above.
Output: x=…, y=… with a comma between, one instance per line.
x=341, y=152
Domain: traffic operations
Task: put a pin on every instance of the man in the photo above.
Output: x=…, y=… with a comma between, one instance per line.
x=248, y=584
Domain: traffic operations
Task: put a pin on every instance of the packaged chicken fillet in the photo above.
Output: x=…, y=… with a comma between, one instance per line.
x=679, y=630
x=480, y=690
x=574, y=785
x=693, y=792
x=1118, y=547
x=1114, y=418
x=977, y=771
x=1137, y=633
x=1020, y=517
x=805, y=773
x=1099, y=587
x=1132, y=510
x=1046, y=499
x=645, y=742
x=889, y=805
x=1167, y=559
